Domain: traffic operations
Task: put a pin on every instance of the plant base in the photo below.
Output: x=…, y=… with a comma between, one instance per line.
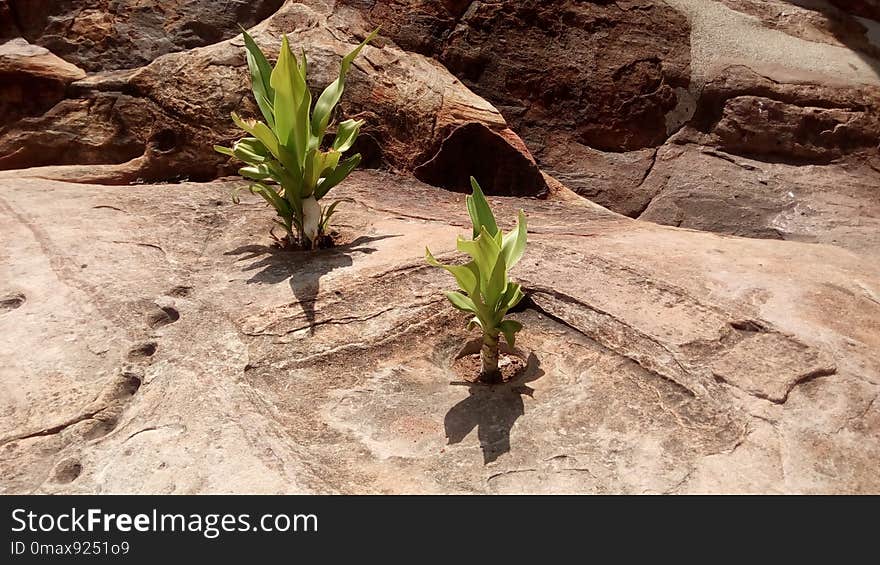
x=467, y=364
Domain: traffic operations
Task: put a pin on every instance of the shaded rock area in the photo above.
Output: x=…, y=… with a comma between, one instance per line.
x=32, y=79
x=196, y=358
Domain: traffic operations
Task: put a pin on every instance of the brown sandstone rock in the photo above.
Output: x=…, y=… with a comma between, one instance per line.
x=32, y=79
x=102, y=35
x=175, y=109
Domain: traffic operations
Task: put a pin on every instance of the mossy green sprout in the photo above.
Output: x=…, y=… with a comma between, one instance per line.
x=486, y=290
x=285, y=154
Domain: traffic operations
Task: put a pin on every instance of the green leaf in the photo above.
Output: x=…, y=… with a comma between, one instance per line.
x=466, y=276
x=260, y=131
x=461, y=302
x=331, y=95
x=318, y=163
x=474, y=322
x=251, y=150
x=273, y=198
x=512, y=297
x=224, y=150
x=497, y=283
x=346, y=135
x=292, y=100
x=255, y=172
x=484, y=251
x=337, y=175
x=509, y=328
x=327, y=214
x=514, y=243
x=261, y=72
x=479, y=211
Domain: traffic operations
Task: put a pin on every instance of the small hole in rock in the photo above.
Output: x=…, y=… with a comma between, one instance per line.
x=164, y=141
x=163, y=316
x=131, y=382
x=11, y=301
x=142, y=350
x=67, y=471
x=181, y=291
x=100, y=429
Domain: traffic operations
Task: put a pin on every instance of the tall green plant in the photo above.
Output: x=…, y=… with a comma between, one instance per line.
x=284, y=155
x=488, y=293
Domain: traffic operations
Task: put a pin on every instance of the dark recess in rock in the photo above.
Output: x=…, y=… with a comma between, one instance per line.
x=475, y=150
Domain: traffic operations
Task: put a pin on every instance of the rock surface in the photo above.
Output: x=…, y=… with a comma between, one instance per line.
x=32, y=79
x=599, y=91
x=160, y=122
x=171, y=350
x=104, y=35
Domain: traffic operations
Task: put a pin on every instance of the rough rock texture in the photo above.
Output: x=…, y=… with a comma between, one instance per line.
x=171, y=350
x=32, y=79
x=102, y=35
x=159, y=122
x=600, y=92
x=596, y=89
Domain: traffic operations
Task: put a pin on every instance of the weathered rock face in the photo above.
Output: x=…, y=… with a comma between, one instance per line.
x=198, y=359
x=32, y=79
x=171, y=349
x=574, y=79
x=107, y=35
x=165, y=117
x=595, y=88
x=864, y=8
x=601, y=74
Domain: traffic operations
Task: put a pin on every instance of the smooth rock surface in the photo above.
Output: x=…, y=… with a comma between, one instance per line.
x=154, y=342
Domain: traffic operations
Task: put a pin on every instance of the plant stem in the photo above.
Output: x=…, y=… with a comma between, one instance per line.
x=489, y=359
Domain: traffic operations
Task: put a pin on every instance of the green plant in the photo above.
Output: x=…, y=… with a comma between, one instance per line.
x=287, y=149
x=488, y=293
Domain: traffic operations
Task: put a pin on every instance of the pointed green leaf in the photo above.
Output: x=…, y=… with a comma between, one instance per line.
x=327, y=214
x=497, y=283
x=292, y=100
x=346, y=135
x=331, y=95
x=466, y=276
x=337, y=175
x=273, y=198
x=255, y=172
x=512, y=296
x=318, y=163
x=251, y=151
x=509, y=328
x=224, y=150
x=514, y=243
x=261, y=72
x=479, y=211
x=484, y=251
x=461, y=302
x=261, y=131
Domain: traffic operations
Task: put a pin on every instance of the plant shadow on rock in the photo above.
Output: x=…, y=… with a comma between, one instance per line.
x=493, y=410
x=302, y=269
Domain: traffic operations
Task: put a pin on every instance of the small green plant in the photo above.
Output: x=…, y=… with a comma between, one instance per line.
x=287, y=148
x=487, y=291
